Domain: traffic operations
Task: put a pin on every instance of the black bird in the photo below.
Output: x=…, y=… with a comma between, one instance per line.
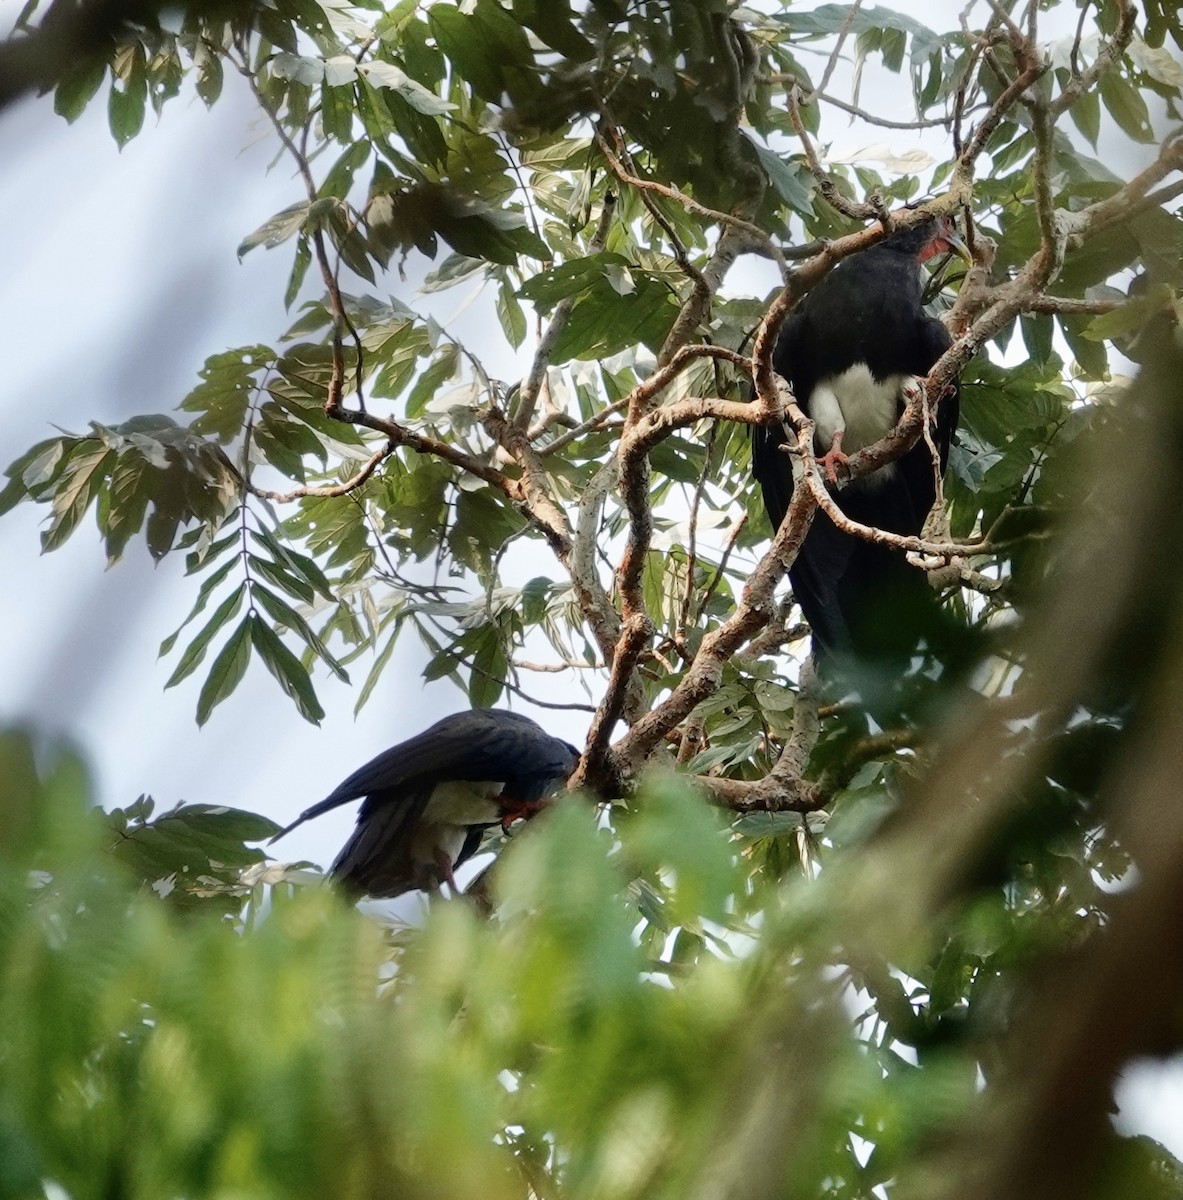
x=428, y=800
x=850, y=350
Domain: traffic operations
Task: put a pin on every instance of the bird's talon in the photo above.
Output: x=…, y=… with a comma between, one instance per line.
x=830, y=460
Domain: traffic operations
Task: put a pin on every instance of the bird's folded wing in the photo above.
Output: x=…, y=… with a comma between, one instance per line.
x=476, y=745
x=378, y=859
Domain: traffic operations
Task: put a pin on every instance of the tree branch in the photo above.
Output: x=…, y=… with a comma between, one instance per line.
x=532, y=385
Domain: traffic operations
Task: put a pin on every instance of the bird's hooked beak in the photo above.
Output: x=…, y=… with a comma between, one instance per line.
x=949, y=240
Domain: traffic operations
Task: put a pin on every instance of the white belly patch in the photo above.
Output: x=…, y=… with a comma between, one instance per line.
x=859, y=406
x=463, y=803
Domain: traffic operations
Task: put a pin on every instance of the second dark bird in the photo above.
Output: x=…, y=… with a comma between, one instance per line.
x=427, y=801
x=849, y=350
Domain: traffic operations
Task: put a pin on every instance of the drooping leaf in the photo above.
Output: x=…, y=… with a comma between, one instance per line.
x=226, y=671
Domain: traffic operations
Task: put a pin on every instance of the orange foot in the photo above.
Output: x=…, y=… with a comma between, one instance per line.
x=832, y=457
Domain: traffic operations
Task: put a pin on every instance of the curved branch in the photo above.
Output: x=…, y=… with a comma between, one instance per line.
x=329, y=490
x=757, y=236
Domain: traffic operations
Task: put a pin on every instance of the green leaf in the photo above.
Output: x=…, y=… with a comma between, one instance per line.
x=790, y=178
x=1090, y=354
x=206, y=590
x=1126, y=106
x=228, y=382
x=285, y=666
x=489, y=666
x=77, y=88
x=281, y=577
x=439, y=371
x=1130, y=317
x=284, y=614
x=210, y=79
x=125, y=108
x=460, y=38
x=1037, y=331
x=299, y=564
x=227, y=670
x=553, y=21
x=510, y=314
x=1086, y=115
x=299, y=270
x=32, y=469
x=380, y=661
x=340, y=177
x=386, y=75
x=675, y=829
x=81, y=478
x=196, y=649
x=278, y=228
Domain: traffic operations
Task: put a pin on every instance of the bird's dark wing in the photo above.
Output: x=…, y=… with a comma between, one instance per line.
x=377, y=859
x=773, y=471
x=815, y=574
x=482, y=744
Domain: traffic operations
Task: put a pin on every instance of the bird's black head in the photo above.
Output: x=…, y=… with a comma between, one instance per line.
x=936, y=236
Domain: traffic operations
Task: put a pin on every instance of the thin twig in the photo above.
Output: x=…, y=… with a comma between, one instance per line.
x=691, y=555
x=528, y=397
x=835, y=53
x=1108, y=56
x=787, y=80
x=757, y=235
x=329, y=490
x=826, y=185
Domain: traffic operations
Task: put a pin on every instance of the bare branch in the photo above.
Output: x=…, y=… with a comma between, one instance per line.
x=1006, y=100
x=756, y=607
x=594, y=602
x=641, y=397
x=755, y=235
x=836, y=52
x=697, y=306
x=828, y=188
x=329, y=490
x=598, y=766
x=853, y=109
x=559, y=668
x=574, y=434
x=1067, y=305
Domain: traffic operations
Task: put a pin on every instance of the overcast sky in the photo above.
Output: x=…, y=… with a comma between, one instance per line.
x=120, y=277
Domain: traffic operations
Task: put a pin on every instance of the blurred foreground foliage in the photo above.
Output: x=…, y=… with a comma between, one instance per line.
x=636, y=991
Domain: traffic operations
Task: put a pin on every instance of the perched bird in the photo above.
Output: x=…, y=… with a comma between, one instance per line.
x=851, y=350
x=428, y=800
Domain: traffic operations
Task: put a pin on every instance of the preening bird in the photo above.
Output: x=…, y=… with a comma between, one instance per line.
x=427, y=801
x=850, y=350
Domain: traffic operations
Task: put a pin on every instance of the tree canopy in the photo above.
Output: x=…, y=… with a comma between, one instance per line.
x=898, y=940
